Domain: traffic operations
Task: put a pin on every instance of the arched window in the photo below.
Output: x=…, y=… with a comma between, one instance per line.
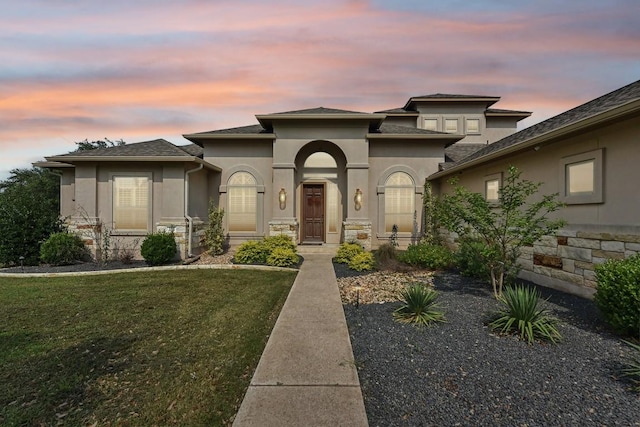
x=399, y=202
x=242, y=202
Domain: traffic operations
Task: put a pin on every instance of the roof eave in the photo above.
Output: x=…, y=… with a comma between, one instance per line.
x=52, y=165
x=82, y=159
x=449, y=139
x=204, y=136
x=375, y=119
x=522, y=115
x=596, y=119
x=489, y=100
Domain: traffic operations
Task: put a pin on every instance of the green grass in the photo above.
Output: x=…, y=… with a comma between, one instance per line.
x=154, y=348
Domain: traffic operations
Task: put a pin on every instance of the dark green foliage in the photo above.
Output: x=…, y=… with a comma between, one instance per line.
x=433, y=257
x=93, y=145
x=419, y=306
x=159, y=248
x=469, y=258
x=632, y=369
x=385, y=254
x=347, y=251
x=283, y=257
x=618, y=294
x=520, y=312
x=430, y=224
x=362, y=261
x=214, y=234
x=29, y=214
x=63, y=249
x=258, y=252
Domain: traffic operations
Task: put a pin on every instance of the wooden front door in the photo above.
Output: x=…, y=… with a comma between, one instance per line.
x=313, y=213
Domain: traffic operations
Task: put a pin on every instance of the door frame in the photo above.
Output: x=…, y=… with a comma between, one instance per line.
x=303, y=211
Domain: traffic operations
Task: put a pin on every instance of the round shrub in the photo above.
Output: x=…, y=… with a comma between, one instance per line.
x=362, y=261
x=347, y=251
x=279, y=241
x=159, y=248
x=282, y=257
x=433, y=257
x=63, y=249
x=618, y=294
x=251, y=252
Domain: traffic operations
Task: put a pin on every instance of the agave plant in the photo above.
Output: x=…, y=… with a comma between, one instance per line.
x=418, y=306
x=521, y=312
x=632, y=370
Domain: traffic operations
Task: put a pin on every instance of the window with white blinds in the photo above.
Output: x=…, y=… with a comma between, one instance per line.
x=131, y=205
x=399, y=202
x=242, y=203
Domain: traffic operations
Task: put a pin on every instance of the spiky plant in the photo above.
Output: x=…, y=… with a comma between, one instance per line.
x=418, y=306
x=520, y=312
x=632, y=369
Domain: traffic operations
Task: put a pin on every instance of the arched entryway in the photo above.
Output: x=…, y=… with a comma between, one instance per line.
x=321, y=185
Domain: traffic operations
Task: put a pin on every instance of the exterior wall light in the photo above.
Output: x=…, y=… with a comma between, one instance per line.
x=282, y=198
x=358, y=199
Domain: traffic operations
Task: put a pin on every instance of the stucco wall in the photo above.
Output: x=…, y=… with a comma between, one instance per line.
x=594, y=231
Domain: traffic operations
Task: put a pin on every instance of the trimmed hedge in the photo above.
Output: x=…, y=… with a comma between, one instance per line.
x=63, y=249
x=159, y=248
x=618, y=294
x=278, y=251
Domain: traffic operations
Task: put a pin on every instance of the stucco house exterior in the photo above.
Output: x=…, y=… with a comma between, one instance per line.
x=589, y=156
x=321, y=175
x=325, y=176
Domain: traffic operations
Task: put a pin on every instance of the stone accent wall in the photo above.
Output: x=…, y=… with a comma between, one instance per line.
x=567, y=261
x=288, y=227
x=358, y=231
x=180, y=233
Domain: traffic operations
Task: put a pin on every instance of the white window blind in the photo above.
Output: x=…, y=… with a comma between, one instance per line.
x=580, y=177
x=399, y=202
x=131, y=202
x=430, y=124
x=451, y=125
x=242, y=202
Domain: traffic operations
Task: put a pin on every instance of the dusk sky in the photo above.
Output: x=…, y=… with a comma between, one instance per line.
x=146, y=69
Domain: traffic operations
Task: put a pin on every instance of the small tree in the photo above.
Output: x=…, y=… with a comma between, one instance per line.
x=504, y=227
x=214, y=234
x=93, y=145
x=430, y=234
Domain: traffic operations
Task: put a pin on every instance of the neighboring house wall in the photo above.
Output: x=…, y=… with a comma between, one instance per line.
x=594, y=231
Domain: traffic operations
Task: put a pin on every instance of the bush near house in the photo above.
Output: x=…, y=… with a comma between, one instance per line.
x=159, y=248
x=347, y=251
x=362, y=261
x=277, y=251
x=433, y=257
x=618, y=294
x=63, y=249
x=469, y=260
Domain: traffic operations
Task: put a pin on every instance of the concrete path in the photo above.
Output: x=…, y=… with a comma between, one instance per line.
x=307, y=375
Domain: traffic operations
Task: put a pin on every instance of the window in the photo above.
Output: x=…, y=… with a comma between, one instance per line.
x=430, y=124
x=131, y=203
x=581, y=178
x=473, y=126
x=492, y=185
x=399, y=202
x=242, y=202
x=451, y=125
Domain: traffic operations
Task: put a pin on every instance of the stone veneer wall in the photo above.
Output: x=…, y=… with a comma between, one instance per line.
x=567, y=261
x=287, y=227
x=358, y=231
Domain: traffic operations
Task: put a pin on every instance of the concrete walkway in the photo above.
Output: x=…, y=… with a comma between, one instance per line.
x=307, y=375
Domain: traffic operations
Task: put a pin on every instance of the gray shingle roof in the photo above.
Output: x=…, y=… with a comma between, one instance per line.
x=154, y=148
x=387, y=128
x=455, y=96
x=399, y=111
x=459, y=151
x=599, y=105
x=501, y=111
x=241, y=130
x=318, y=110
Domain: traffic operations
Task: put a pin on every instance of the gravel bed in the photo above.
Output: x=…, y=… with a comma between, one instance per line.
x=459, y=373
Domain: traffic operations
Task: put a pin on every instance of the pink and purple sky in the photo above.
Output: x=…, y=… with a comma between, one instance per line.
x=147, y=69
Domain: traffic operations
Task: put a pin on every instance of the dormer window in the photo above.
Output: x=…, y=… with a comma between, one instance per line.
x=451, y=125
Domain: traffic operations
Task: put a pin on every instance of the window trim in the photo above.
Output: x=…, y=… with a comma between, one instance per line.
x=436, y=119
x=132, y=231
x=444, y=125
x=596, y=196
x=490, y=178
x=466, y=122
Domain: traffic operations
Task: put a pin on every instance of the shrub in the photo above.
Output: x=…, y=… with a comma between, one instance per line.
x=283, y=257
x=618, y=294
x=347, y=251
x=386, y=255
x=214, y=233
x=251, y=252
x=158, y=248
x=63, y=249
x=632, y=369
x=469, y=259
x=427, y=256
x=362, y=261
x=279, y=241
x=521, y=312
x=419, y=306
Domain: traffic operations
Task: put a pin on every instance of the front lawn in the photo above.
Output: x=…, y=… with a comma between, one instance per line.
x=143, y=348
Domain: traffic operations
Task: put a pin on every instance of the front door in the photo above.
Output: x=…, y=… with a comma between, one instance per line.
x=313, y=213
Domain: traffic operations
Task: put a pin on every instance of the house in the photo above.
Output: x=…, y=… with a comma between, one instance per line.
x=325, y=176
x=321, y=175
x=588, y=155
